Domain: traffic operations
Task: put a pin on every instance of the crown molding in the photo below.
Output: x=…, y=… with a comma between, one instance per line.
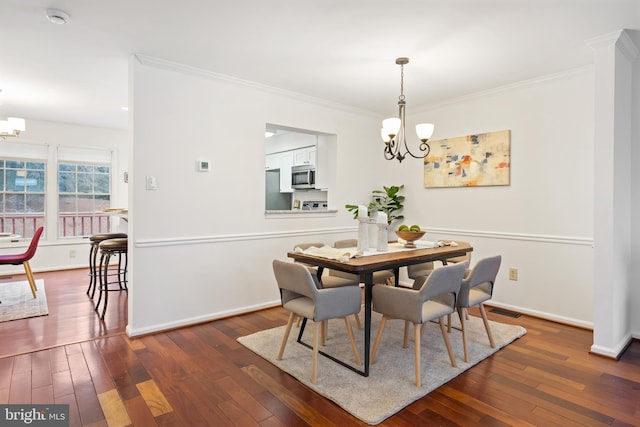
x=210, y=75
x=619, y=39
x=504, y=88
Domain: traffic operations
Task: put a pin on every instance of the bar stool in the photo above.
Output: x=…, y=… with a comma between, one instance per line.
x=95, y=240
x=109, y=248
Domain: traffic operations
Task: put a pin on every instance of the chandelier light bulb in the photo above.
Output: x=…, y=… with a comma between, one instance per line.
x=424, y=131
x=385, y=136
x=12, y=126
x=391, y=126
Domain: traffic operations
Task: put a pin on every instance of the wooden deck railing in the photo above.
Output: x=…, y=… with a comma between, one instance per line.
x=70, y=225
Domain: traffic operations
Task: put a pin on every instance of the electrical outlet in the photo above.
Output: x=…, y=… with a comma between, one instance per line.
x=72, y=253
x=513, y=273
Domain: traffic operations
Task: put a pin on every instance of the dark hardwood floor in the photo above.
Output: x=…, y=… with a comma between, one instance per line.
x=71, y=316
x=201, y=375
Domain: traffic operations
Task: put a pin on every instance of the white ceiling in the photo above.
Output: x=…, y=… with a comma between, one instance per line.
x=339, y=50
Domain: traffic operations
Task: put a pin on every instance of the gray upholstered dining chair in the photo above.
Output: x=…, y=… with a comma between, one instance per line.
x=424, y=269
x=378, y=276
x=420, y=270
x=476, y=288
x=434, y=299
x=329, y=280
x=300, y=295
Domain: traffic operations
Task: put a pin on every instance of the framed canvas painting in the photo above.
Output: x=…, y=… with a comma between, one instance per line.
x=469, y=161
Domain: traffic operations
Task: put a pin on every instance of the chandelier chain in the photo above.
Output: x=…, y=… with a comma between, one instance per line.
x=401, y=97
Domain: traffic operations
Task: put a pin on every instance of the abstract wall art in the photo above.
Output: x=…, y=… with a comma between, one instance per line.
x=469, y=161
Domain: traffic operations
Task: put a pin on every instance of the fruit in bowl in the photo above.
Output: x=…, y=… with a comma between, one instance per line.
x=410, y=234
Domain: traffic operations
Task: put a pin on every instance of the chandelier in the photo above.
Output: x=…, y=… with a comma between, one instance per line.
x=393, y=133
x=11, y=127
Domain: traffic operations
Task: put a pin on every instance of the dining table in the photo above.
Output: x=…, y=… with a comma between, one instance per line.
x=365, y=265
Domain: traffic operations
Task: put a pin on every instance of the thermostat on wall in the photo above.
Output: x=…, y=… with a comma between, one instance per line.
x=202, y=165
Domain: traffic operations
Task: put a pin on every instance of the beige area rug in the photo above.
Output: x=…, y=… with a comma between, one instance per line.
x=17, y=302
x=391, y=382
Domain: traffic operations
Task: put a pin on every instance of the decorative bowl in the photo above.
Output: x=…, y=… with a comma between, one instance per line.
x=410, y=237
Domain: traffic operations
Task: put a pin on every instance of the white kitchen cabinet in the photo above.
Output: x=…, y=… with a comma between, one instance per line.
x=304, y=156
x=272, y=161
x=286, y=161
x=282, y=161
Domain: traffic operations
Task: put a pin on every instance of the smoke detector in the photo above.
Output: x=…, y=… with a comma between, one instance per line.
x=57, y=16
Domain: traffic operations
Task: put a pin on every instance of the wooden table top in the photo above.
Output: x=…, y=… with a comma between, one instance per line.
x=387, y=260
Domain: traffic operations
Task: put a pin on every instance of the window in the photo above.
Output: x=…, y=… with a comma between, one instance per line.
x=22, y=196
x=84, y=190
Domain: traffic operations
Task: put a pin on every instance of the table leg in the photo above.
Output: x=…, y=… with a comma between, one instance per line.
x=368, y=292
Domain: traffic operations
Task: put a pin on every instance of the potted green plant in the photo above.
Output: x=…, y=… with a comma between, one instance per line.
x=388, y=200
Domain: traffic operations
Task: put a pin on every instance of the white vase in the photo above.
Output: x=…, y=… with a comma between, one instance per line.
x=373, y=233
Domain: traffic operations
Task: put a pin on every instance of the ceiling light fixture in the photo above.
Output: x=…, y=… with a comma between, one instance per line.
x=11, y=127
x=392, y=131
x=57, y=16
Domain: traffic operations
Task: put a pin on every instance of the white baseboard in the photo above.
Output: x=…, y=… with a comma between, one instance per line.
x=542, y=315
x=613, y=353
x=160, y=327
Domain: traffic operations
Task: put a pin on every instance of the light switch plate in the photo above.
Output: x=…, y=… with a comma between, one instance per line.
x=151, y=183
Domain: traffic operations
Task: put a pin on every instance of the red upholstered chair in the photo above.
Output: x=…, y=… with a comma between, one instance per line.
x=24, y=258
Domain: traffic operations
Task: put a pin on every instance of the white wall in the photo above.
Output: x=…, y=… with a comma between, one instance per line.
x=201, y=244
x=54, y=254
x=614, y=54
x=542, y=223
x=635, y=196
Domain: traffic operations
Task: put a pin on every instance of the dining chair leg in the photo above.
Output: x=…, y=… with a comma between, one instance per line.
x=449, y=323
x=417, y=332
x=405, y=340
x=486, y=325
x=463, y=326
x=445, y=336
x=358, y=324
x=423, y=327
x=356, y=356
x=314, y=358
x=32, y=282
x=287, y=330
x=378, y=336
x=323, y=332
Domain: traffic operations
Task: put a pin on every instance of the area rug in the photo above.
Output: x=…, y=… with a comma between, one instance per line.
x=17, y=302
x=391, y=382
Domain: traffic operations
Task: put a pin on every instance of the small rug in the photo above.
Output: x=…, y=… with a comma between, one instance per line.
x=390, y=385
x=17, y=302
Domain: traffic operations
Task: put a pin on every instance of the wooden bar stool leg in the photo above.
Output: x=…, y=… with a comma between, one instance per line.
x=126, y=265
x=92, y=268
x=106, y=285
x=120, y=272
x=99, y=285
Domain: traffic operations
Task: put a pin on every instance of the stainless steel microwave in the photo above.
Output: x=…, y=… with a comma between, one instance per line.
x=303, y=176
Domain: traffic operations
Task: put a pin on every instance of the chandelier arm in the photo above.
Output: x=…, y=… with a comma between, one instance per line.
x=423, y=146
x=388, y=153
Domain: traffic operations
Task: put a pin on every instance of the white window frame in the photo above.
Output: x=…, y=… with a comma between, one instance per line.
x=99, y=222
